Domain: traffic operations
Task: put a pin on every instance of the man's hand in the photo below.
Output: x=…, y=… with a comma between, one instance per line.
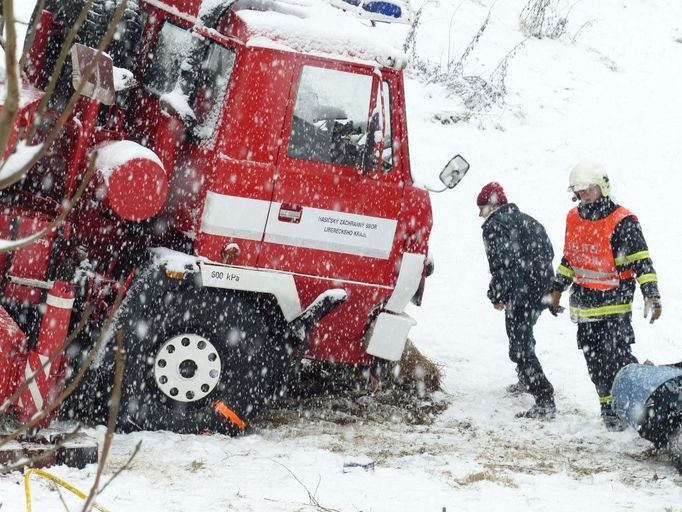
x=499, y=306
x=554, y=302
x=653, y=305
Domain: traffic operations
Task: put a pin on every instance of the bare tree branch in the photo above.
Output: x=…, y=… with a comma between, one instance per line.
x=62, y=216
x=76, y=380
x=30, y=33
x=81, y=324
x=113, y=414
x=66, y=47
x=11, y=105
x=44, y=455
x=86, y=75
x=122, y=468
x=311, y=496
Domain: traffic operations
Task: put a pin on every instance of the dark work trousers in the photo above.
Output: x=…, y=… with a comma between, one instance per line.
x=606, y=346
x=520, y=320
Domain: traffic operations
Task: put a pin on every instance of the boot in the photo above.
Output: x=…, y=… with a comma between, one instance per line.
x=517, y=388
x=543, y=410
x=612, y=421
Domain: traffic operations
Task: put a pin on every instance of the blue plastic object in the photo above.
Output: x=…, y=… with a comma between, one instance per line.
x=385, y=8
x=633, y=387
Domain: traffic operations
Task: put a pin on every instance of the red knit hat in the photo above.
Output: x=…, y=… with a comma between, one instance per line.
x=492, y=193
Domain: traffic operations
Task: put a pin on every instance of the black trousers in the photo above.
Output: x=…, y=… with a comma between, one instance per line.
x=606, y=347
x=520, y=320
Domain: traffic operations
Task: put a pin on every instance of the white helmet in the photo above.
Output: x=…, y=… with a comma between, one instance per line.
x=586, y=173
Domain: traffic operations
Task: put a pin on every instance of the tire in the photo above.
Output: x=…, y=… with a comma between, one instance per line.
x=123, y=48
x=189, y=348
x=125, y=43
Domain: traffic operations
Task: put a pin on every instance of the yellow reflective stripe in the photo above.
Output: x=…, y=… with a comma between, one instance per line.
x=606, y=399
x=631, y=258
x=614, y=309
x=647, y=278
x=563, y=270
x=641, y=255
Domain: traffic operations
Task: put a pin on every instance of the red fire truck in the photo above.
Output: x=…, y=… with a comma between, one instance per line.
x=251, y=203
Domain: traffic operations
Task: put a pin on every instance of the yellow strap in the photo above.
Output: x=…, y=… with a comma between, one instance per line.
x=641, y=255
x=563, y=270
x=58, y=481
x=614, y=309
x=606, y=399
x=647, y=278
x=631, y=258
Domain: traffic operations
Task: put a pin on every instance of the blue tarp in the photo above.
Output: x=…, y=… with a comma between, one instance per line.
x=633, y=386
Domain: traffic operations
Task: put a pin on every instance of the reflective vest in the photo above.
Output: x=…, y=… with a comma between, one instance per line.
x=587, y=249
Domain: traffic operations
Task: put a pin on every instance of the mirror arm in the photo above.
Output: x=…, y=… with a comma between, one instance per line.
x=437, y=191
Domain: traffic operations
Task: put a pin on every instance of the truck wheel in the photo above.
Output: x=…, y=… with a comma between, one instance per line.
x=198, y=359
x=125, y=44
x=123, y=48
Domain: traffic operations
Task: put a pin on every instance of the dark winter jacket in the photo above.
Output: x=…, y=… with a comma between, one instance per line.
x=519, y=256
x=628, y=244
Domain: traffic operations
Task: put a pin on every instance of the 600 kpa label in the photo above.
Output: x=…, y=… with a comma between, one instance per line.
x=224, y=276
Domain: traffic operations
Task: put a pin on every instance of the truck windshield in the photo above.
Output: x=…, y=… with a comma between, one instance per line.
x=210, y=77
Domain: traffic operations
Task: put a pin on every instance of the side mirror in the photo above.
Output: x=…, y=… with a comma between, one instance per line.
x=454, y=171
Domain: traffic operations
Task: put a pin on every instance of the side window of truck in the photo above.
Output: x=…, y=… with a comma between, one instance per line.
x=331, y=118
x=172, y=46
x=205, y=82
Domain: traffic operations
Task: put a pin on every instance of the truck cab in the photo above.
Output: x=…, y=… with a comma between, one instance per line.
x=252, y=200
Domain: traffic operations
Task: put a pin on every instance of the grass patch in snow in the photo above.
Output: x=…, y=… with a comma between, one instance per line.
x=409, y=394
x=485, y=476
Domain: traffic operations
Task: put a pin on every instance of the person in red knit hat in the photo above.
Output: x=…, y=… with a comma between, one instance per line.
x=520, y=259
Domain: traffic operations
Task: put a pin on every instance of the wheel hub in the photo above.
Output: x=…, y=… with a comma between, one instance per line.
x=187, y=368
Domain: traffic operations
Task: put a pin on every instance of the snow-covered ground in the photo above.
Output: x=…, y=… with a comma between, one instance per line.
x=609, y=89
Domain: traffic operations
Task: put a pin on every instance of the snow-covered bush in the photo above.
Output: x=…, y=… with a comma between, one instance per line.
x=541, y=18
x=477, y=92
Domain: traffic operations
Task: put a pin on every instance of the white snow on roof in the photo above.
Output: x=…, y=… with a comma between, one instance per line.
x=312, y=26
x=209, y=5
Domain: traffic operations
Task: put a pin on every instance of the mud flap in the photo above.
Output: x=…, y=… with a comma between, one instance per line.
x=296, y=336
x=303, y=326
x=301, y=329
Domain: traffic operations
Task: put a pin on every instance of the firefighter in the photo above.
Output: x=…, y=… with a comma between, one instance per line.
x=604, y=255
x=520, y=260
